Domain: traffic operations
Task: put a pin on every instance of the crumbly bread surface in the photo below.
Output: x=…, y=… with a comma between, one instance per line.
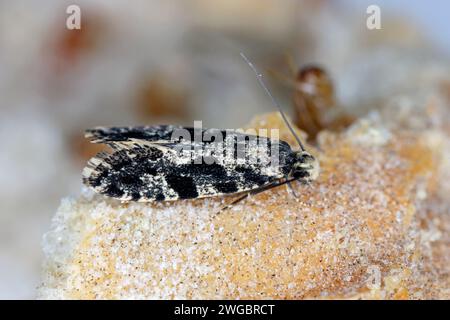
x=374, y=225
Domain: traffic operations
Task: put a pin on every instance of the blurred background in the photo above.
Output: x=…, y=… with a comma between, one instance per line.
x=160, y=61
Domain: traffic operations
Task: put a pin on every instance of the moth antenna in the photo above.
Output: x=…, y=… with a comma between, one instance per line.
x=259, y=76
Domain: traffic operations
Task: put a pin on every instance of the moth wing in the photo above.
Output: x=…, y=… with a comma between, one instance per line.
x=127, y=134
x=145, y=173
x=163, y=135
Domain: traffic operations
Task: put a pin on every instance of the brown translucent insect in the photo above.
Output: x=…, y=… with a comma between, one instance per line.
x=314, y=100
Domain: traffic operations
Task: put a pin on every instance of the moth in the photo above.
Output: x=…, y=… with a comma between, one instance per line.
x=146, y=164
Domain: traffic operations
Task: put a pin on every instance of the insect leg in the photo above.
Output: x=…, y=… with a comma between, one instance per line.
x=292, y=190
x=246, y=195
x=229, y=205
x=257, y=191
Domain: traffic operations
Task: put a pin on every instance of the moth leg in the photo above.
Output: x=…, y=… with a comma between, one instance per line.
x=246, y=195
x=291, y=189
x=304, y=183
x=257, y=191
x=229, y=205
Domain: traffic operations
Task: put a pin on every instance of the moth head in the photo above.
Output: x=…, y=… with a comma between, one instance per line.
x=305, y=166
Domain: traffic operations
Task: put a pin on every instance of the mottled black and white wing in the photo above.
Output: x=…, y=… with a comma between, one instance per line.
x=118, y=135
x=146, y=165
